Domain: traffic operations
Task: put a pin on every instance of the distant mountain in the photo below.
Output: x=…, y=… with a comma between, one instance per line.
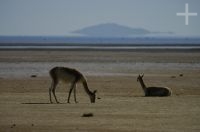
x=111, y=30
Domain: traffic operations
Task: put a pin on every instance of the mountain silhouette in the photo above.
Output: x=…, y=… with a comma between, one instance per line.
x=111, y=30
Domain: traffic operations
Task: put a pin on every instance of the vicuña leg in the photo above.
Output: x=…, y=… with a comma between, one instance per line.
x=75, y=94
x=53, y=85
x=70, y=91
x=52, y=89
x=54, y=94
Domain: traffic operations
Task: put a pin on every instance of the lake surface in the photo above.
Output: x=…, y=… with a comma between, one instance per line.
x=100, y=40
x=95, y=43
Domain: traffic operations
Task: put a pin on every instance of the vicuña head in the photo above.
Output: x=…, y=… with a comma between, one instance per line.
x=93, y=96
x=140, y=77
x=154, y=91
x=72, y=76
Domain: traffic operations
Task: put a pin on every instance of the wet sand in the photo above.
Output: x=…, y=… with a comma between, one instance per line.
x=121, y=105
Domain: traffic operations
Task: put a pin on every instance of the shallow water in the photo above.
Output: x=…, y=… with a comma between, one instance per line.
x=26, y=69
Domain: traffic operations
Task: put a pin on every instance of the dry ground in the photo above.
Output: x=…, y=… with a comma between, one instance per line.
x=120, y=107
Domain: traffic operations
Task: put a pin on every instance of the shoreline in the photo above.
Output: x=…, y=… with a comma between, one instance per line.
x=102, y=47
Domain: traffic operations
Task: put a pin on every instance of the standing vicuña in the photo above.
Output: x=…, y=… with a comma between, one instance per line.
x=154, y=91
x=72, y=76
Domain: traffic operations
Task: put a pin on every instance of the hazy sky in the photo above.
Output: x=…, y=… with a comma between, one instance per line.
x=60, y=17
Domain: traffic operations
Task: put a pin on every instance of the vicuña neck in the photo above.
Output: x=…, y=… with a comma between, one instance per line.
x=142, y=84
x=86, y=86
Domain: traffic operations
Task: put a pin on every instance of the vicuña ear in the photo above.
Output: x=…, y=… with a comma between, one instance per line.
x=142, y=75
x=95, y=91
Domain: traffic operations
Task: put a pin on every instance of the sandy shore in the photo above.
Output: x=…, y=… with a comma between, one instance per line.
x=121, y=105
